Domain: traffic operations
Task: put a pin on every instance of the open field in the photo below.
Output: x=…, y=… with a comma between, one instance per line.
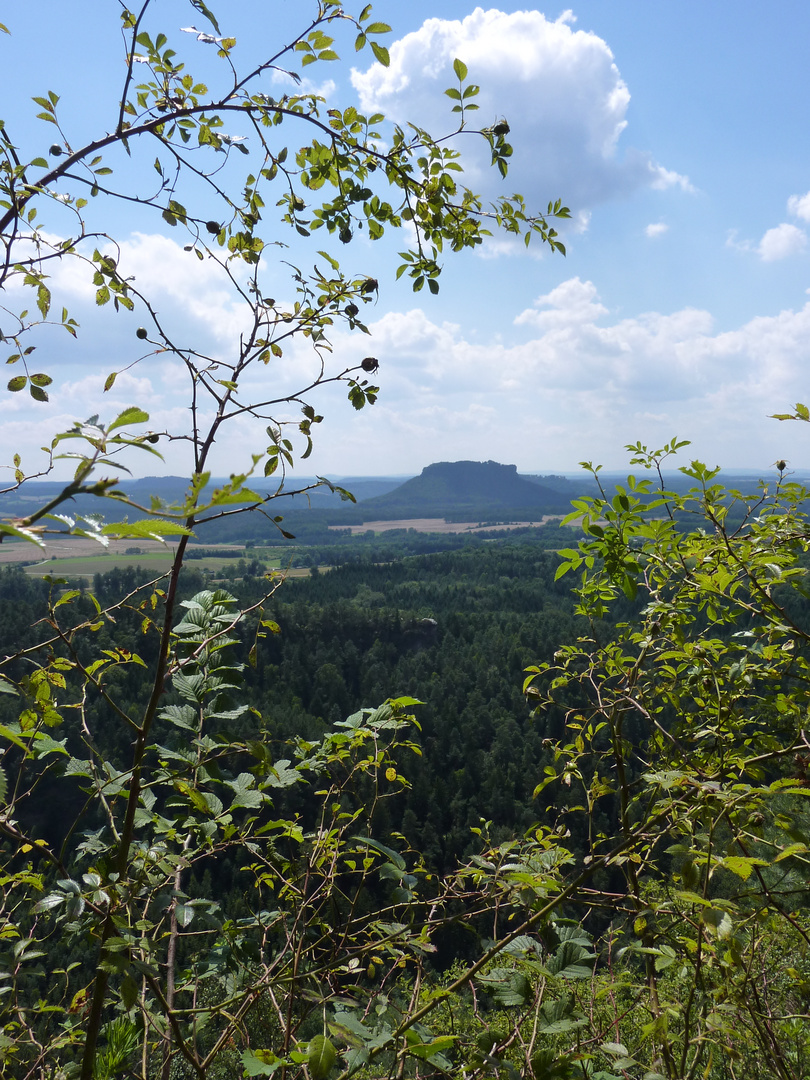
x=439, y=525
x=80, y=557
x=70, y=547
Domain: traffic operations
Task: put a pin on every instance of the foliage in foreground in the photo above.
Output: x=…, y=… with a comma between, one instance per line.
x=675, y=946
x=163, y=981
x=688, y=747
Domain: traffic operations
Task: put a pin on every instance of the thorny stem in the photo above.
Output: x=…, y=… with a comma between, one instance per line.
x=128, y=829
x=171, y=957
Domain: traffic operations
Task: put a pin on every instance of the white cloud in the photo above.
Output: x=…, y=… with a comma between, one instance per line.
x=558, y=87
x=782, y=242
x=666, y=178
x=656, y=229
x=566, y=379
x=199, y=309
x=572, y=303
x=735, y=244
x=799, y=206
x=582, y=385
x=195, y=290
x=283, y=79
x=128, y=388
x=187, y=294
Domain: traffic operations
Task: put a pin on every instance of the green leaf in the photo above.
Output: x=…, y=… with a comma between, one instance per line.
x=245, y=793
x=203, y=10
x=132, y=415
x=743, y=868
x=507, y=986
x=129, y=991
x=12, y=736
x=182, y=716
x=321, y=1057
x=154, y=528
x=190, y=687
x=17, y=383
x=557, y=1017
x=380, y=54
x=428, y=1050
x=460, y=68
x=567, y=961
x=375, y=845
x=49, y=902
x=262, y=1063
x=792, y=849
x=184, y=913
x=22, y=533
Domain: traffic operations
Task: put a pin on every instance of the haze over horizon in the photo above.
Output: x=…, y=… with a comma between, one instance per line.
x=678, y=137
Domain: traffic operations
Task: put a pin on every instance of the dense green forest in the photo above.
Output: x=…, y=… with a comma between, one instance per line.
x=454, y=629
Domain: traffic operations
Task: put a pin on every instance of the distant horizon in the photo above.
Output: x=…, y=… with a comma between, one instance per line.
x=340, y=478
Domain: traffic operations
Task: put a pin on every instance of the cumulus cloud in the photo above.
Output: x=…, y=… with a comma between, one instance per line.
x=127, y=388
x=196, y=305
x=573, y=303
x=799, y=206
x=656, y=229
x=666, y=178
x=198, y=290
x=782, y=242
x=566, y=378
x=559, y=88
x=582, y=384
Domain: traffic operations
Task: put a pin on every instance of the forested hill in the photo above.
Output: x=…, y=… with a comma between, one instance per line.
x=480, y=489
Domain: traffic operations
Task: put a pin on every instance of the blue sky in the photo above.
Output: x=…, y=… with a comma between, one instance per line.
x=677, y=134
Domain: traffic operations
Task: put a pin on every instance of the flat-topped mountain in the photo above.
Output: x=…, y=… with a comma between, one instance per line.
x=455, y=490
x=475, y=488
